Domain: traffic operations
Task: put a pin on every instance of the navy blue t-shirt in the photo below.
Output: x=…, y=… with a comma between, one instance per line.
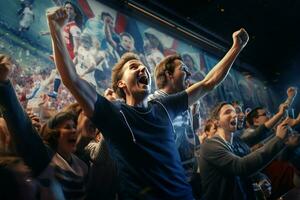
x=143, y=145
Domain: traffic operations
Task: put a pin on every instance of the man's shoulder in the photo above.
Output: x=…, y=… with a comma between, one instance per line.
x=158, y=94
x=213, y=144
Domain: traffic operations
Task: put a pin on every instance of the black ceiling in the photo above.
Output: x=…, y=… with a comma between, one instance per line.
x=274, y=45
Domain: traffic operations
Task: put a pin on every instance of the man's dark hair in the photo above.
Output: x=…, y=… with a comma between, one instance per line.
x=214, y=115
x=165, y=65
x=236, y=102
x=253, y=114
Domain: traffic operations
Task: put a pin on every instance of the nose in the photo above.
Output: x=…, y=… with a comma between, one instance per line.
x=142, y=67
x=234, y=115
x=186, y=70
x=188, y=74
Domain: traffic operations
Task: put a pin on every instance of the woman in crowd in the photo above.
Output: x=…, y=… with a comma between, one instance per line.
x=53, y=160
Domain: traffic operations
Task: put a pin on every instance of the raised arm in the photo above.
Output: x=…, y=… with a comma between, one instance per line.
x=27, y=141
x=277, y=117
x=83, y=92
x=291, y=93
x=219, y=72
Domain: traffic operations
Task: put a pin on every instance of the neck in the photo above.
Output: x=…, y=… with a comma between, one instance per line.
x=136, y=101
x=225, y=135
x=169, y=89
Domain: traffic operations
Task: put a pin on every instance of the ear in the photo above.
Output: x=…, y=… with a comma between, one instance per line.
x=121, y=84
x=217, y=123
x=168, y=75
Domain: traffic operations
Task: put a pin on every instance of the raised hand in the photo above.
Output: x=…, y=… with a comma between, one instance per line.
x=5, y=67
x=240, y=38
x=57, y=15
x=291, y=92
x=110, y=95
x=34, y=119
x=281, y=130
x=282, y=108
x=294, y=122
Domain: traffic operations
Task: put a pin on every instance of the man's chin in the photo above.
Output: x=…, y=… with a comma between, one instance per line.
x=143, y=92
x=232, y=129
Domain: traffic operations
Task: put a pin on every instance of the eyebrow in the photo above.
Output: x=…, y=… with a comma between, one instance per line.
x=135, y=62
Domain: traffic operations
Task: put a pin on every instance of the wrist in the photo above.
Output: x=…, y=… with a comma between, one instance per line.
x=236, y=47
x=280, y=137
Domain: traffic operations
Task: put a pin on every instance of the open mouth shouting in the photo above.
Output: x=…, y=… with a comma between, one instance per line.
x=143, y=79
x=233, y=122
x=72, y=141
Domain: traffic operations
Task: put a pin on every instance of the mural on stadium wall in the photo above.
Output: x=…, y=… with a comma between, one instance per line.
x=97, y=36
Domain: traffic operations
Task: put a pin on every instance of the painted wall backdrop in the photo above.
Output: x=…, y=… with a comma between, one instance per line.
x=105, y=34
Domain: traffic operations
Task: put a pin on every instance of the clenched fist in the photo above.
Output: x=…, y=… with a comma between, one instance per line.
x=240, y=38
x=57, y=15
x=291, y=92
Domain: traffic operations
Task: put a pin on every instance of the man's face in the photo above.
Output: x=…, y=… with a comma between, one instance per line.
x=240, y=116
x=180, y=76
x=136, y=81
x=70, y=11
x=127, y=43
x=228, y=118
x=262, y=117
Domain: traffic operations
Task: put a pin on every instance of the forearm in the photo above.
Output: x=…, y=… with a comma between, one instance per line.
x=274, y=120
x=62, y=58
x=214, y=77
x=216, y=152
x=254, y=136
x=28, y=143
x=81, y=90
x=258, y=159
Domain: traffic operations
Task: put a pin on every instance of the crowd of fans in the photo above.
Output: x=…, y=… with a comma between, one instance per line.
x=131, y=145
